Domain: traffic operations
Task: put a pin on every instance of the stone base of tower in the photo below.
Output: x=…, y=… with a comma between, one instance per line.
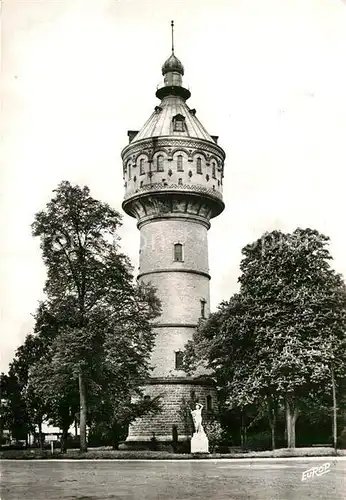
x=172, y=428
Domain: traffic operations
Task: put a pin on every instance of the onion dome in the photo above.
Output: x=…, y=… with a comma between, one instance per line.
x=172, y=65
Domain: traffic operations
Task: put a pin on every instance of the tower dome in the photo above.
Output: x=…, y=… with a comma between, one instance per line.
x=173, y=65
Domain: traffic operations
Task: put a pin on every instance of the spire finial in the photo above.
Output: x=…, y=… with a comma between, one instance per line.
x=172, y=25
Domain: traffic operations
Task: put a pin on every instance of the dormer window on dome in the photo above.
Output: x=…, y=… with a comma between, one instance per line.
x=178, y=123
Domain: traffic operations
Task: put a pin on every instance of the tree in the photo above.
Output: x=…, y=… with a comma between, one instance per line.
x=25, y=357
x=300, y=305
x=14, y=415
x=104, y=331
x=278, y=338
x=112, y=415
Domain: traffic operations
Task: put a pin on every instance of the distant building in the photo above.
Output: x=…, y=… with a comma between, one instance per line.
x=173, y=172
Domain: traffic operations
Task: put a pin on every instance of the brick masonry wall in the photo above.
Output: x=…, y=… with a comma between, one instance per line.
x=168, y=341
x=181, y=287
x=180, y=292
x=173, y=396
x=158, y=238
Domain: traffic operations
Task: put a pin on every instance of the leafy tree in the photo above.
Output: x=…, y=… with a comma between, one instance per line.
x=283, y=335
x=26, y=355
x=104, y=332
x=14, y=415
x=112, y=417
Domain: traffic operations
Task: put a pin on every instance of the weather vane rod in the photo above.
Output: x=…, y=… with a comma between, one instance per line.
x=172, y=24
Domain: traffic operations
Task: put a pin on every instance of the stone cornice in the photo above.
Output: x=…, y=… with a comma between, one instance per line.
x=174, y=325
x=175, y=270
x=172, y=142
x=184, y=188
x=181, y=217
x=180, y=380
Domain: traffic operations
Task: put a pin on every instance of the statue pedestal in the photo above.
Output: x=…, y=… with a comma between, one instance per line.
x=199, y=443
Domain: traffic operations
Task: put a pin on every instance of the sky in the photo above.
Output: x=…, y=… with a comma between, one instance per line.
x=267, y=76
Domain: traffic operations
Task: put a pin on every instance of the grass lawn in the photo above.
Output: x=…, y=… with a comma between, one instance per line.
x=108, y=453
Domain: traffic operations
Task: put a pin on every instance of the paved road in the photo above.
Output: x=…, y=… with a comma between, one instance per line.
x=172, y=480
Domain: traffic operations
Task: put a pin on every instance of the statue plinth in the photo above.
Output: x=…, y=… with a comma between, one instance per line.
x=199, y=442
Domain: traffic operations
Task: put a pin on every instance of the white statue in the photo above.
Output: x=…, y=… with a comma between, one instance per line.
x=197, y=417
x=199, y=441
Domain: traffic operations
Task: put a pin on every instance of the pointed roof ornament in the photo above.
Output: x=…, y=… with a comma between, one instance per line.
x=173, y=72
x=172, y=64
x=172, y=25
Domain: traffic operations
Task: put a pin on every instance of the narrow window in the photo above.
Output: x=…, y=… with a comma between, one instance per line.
x=178, y=123
x=159, y=163
x=141, y=184
x=178, y=252
x=179, y=358
x=192, y=394
x=199, y=166
x=214, y=171
x=129, y=172
x=180, y=181
x=209, y=403
x=203, y=302
x=180, y=163
x=141, y=166
x=179, y=126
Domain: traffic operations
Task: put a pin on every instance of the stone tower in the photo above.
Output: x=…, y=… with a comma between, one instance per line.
x=173, y=172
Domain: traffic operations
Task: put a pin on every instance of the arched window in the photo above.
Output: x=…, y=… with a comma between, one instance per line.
x=199, y=166
x=159, y=163
x=180, y=163
x=180, y=181
x=129, y=171
x=141, y=166
x=213, y=170
x=178, y=252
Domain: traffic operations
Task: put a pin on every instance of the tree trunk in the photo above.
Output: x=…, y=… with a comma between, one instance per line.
x=83, y=412
x=63, y=440
x=243, y=431
x=40, y=436
x=272, y=410
x=291, y=418
x=335, y=432
x=273, y=429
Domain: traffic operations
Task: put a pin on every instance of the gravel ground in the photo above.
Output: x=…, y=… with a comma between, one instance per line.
x=172, y=480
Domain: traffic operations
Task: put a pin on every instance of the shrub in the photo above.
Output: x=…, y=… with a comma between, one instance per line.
x=259, y=441
x=342, y=439
x=214, y=433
